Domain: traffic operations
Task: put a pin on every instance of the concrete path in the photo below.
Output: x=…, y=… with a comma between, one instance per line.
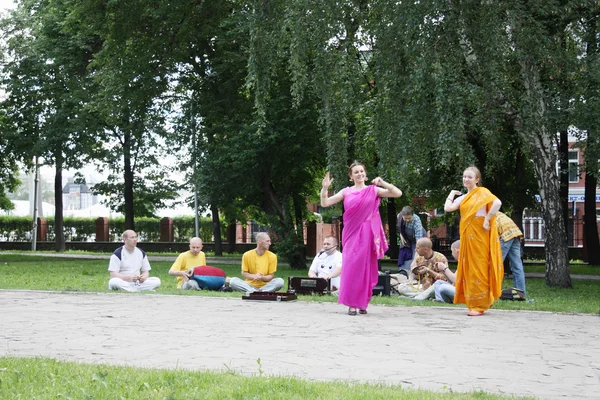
x=546, y=355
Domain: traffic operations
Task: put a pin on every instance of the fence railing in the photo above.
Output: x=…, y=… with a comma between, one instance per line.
x=533, y=230
x=17, y=229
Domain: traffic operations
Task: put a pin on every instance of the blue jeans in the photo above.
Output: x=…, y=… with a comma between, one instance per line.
x=512, y=250
x=406, y=265
x=444, y=291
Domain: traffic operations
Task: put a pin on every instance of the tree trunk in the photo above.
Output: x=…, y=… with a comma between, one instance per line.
x=290, y=243
x=531, y=126
x=216, y=230
x=591, y=241
x=59, y=232
x=128, y=178
x=517, y=214
x=231, y=236
x=563, y=157
x=299, y=261
x=392, y=225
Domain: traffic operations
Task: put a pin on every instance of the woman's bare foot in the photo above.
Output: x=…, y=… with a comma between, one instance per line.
x=474, y=313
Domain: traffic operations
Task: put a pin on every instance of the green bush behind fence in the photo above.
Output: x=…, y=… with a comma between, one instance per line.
x=18, y=229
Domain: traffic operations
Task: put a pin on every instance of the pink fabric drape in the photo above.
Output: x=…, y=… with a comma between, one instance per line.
x=363, y=241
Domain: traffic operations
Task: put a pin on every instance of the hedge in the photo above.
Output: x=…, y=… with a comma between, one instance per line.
x=18, y=229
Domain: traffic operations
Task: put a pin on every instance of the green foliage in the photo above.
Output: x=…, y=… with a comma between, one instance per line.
x=15, y=229
x=331, y=213
x=152, y=192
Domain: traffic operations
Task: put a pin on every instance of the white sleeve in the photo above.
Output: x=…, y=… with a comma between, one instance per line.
x=313, y=266
x=338, y=259
x=145, y=264
x=114, y=264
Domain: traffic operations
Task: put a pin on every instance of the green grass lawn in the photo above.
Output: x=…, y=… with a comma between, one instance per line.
x=46, y=273
x=43, y=378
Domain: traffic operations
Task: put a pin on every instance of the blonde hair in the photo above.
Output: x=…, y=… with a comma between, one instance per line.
x=477, y=173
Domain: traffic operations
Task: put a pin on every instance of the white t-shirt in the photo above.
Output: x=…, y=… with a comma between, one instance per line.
x=128, y=263
x=324, y=264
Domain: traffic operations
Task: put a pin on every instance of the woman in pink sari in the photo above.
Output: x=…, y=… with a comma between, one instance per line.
x=363, y=239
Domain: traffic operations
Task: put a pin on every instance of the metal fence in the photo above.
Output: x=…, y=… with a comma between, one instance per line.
x=533, y=230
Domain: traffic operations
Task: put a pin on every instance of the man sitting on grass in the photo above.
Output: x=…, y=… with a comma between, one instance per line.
x=194, y=257
x=129, y=267
x=258, y=269
x=444, y=290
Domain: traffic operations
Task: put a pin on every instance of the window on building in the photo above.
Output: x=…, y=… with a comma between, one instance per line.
x=573, y=166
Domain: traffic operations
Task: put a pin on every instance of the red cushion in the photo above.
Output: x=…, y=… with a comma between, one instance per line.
x=207, y=270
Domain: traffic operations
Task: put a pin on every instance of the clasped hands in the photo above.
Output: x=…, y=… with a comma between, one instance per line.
x=257, y=277
x=139, y=278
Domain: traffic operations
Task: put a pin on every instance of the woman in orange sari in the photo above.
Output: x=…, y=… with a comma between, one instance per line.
x=480, y=268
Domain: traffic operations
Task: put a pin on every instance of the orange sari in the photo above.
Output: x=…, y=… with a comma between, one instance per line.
x=480, y=268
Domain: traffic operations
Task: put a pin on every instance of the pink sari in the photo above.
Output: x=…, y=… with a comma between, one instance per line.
x=363, y=242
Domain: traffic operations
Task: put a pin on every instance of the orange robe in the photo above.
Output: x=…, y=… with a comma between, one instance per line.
x=480, y=268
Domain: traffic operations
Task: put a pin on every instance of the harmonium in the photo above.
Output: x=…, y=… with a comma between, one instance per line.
x=308, y=285
x=383, y=286
x=270, y=296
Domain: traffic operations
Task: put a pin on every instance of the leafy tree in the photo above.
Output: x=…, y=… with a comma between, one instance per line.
x=46, y=83
x=447, y=78
x=9, y=181
x=131, y=74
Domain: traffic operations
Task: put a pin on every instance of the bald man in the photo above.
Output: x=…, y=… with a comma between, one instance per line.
x=258, y=269
x=426, y=268
x=129, y=267
x=185, y=262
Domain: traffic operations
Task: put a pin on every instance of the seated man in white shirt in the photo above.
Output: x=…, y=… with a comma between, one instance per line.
x=129, y=267
x=328, y=263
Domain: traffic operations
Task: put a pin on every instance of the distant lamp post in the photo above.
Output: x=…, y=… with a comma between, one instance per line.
x=196, y=210
x=35, y=202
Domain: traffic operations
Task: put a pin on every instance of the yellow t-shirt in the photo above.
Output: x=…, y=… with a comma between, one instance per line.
x=253, y=264
x=186, y=261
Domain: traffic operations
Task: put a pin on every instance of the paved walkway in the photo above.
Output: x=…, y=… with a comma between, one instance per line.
x=550, y=356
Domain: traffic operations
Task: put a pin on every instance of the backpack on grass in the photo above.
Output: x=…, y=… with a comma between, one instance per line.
x=512, y=294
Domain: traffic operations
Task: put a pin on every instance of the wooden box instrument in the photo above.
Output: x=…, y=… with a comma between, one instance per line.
x=270, y=296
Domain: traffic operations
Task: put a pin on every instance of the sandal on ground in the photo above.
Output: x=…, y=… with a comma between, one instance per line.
x=474, y=313
x=352, y=311
x=362, y=311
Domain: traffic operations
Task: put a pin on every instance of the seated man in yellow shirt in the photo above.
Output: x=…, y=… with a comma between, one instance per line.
x=185, y=262
x=258, y=269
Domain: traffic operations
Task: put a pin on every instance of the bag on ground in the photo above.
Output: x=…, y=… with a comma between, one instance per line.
x=512, y=294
